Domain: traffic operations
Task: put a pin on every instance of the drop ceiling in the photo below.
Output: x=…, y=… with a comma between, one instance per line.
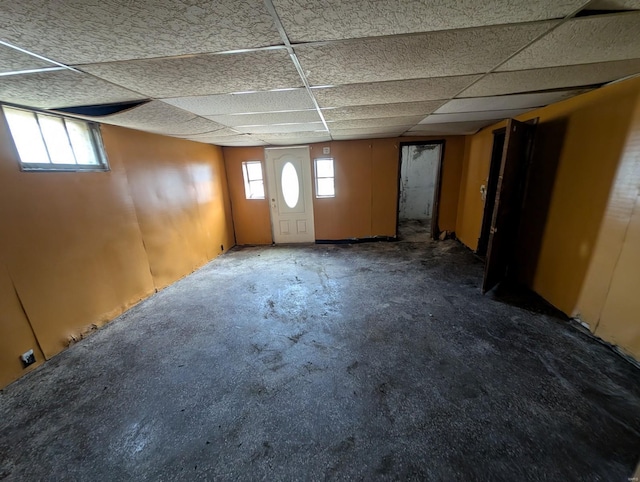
x=285, y=72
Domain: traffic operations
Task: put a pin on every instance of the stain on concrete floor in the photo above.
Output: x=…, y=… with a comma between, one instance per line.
x=348, y=362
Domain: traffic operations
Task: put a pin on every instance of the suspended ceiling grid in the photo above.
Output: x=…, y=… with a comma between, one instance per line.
x=285, y=72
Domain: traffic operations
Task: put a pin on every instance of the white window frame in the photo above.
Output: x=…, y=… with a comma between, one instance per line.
x=247, y=180
x=316, y=177
x=95, y=137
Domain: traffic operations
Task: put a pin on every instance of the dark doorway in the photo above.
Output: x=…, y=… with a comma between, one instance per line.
x=507, y=209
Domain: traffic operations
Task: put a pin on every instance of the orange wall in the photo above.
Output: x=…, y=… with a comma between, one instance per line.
x=80, y=248
x=366, y=198
x=179, y=191
x=251, y=219
x=475, y=172
x=609, y=300
x=586, y=139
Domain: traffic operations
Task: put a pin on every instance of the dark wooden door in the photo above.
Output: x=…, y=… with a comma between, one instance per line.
x=508, y=202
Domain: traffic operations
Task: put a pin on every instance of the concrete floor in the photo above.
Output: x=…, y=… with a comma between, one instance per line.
x=360, y=362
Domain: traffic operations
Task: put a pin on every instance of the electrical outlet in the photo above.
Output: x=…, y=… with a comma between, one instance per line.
x=28, y=358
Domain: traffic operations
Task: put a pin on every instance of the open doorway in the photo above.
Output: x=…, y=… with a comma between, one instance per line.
x=419, y=190
x=507, y=201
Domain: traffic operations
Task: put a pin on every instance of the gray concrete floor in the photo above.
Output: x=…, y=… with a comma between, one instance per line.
x=347, y=362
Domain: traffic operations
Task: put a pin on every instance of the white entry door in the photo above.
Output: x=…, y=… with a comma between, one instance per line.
x=289, y=186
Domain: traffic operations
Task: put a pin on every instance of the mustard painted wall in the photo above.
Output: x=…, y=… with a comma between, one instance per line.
x=80, y=248
x=366, y=198
x=251, y=219
x=571, y=204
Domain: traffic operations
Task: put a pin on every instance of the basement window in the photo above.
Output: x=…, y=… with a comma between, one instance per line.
x=48, y=142
x=253, y=180
x=325, y=179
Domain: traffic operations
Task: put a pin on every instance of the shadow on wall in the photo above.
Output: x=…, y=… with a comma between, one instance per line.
x=547, y=151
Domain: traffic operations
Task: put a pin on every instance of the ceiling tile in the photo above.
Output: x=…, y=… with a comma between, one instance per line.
x=435, y=54
x=161, y=118
x=267, y=118
x=499, y=83
x=369, y=131
x=293, y=138
x=289, y=135
x=61, y=88
x=310, y=20
x=249, y=142
x=356, y=136
x=224, y=132
x=382, y=110
x=416, y=90
x=473, y=116
x=202, y=74
x=583, y=40
x=194, y=126
x=12, y=60
x=299, y=140
x=507, y=102
x=374, y=123
x=270, y=101
x=237, y=140
x=455, y=128
x=78, y=31
x=278, y=128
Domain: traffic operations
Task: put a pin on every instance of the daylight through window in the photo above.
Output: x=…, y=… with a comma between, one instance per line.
x=55, y=143
x=253, y=183
x=325, y=178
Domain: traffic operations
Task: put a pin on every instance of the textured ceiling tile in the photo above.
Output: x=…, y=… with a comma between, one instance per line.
x=161, y=118
x=286, y=100
x=217, y=135
x=267, y=118
x=298, y=140
x=310, y=20
x=12, y=60
x=500, y=83
x=198, y=125
x=383, y=110
x=237, y=140
x=583, y=40
x=369, y=131
x=61, y=88
x=472, y=116
x=435, y=54
x=80, y=31
x=279, y=128
x=202, y=74
x=416, y=90
x=353, y=137
x=455, y=128
x=223, y=132
x=374, y=123
x=507, y=102
x=252, y=142
x=291, y=135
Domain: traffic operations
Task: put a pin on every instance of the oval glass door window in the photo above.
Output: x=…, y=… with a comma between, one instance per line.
x=290, y=185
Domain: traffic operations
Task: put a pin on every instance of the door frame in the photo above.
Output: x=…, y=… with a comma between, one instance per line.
x=491, y=190
x=435, y=215
x=516, y=178
x=267, y=178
